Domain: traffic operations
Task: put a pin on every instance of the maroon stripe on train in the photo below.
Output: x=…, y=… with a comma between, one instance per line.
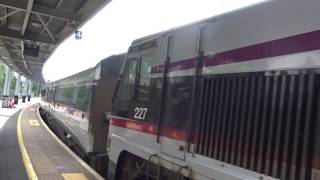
x=157, y=69
x=181, y=65
x=175, y=66
x=290, y=45
x=180, y=135
x=148, y=128
x=285, y=46
x=72, y=111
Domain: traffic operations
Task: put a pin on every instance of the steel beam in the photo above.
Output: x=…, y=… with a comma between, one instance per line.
x=27, y=16
x=13, y=34
x=13, y=46
x=5, y=21
x=9, y=14
x=38, y=9
x=27, y=58
x=46, y=28
x=41, y=52
x=50, y=18
x=27, y=68
x=29, y=61
x=52, y=12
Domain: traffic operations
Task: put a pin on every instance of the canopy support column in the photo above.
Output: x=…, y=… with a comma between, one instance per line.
x=25, y=90
x=7, y=82
x=29, y=90
x=17, y=89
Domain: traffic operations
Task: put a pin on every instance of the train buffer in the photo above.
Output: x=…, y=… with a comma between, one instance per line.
x=29, y=149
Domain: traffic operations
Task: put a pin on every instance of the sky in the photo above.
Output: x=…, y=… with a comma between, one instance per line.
x=112, y=30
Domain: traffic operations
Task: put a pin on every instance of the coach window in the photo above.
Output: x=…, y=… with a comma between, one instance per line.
x=144, y=79
x=84, y=97
x=129, y=79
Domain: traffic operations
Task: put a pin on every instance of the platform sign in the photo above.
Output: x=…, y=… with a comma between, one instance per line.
x=78, y=35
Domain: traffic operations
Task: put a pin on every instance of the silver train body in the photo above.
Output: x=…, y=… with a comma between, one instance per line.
x=75, y=107
x=232, y=97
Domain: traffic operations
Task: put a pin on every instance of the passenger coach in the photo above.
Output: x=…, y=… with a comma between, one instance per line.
x=75, y=108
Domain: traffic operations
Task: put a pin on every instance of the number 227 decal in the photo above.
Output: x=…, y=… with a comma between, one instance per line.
x=140, y=113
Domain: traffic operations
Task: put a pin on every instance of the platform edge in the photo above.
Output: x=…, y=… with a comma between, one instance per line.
x=84, y=164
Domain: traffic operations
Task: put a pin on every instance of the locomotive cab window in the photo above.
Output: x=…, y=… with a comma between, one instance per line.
x=129, y=80
x=144, y=77
x=132, y=99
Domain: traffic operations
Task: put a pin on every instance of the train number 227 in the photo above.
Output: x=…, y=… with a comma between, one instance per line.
x=140, y=113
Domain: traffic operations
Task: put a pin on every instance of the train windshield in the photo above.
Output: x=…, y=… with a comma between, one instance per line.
x=127, y=85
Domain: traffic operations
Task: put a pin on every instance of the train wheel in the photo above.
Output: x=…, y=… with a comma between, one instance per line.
x=131, y=168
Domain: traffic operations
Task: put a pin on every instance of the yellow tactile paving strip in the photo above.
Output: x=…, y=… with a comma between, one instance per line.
x=34, y=122
x=49, y=160
x=74, y=176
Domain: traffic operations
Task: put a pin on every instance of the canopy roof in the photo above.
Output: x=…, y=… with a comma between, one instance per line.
x=30, y=30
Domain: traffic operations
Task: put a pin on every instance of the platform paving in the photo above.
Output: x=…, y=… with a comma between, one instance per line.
x=11, y=165
x=49, y=158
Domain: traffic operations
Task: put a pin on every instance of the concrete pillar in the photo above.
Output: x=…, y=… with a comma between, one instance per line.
x=18, y=83
x=17, y=89
x=25, y=87
x=25, y=90
x=7, y=81
x=29, y=90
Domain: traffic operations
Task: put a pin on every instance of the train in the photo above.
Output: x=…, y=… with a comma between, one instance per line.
x=231, y=97
x=75, y=108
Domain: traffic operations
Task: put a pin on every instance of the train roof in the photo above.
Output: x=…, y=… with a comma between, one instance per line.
x=211, y=19
x=109, y=66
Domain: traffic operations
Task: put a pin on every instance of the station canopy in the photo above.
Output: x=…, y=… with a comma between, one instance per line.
x=30, y=30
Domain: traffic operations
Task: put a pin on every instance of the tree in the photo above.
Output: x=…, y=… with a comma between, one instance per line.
x=13, y=85
x=34, y=88
x=2, y=76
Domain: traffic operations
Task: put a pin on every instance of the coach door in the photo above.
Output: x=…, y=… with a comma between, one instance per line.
x=179, y=85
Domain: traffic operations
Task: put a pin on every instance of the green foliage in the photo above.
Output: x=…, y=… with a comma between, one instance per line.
x=13, y=82
x=34, y=89
x=12, y=85
x=2, y=75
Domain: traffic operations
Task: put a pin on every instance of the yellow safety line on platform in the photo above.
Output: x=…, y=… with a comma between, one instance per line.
x=26, y=160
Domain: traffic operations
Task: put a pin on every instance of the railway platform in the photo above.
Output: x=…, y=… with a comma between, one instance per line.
x=30, y=150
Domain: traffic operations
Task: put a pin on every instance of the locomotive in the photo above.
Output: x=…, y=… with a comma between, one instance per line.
x=232, y=97
x=75, y=108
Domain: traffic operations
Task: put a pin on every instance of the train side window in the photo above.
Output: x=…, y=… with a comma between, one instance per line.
x=129, y=80
x=145, y=77
x=84, y=96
